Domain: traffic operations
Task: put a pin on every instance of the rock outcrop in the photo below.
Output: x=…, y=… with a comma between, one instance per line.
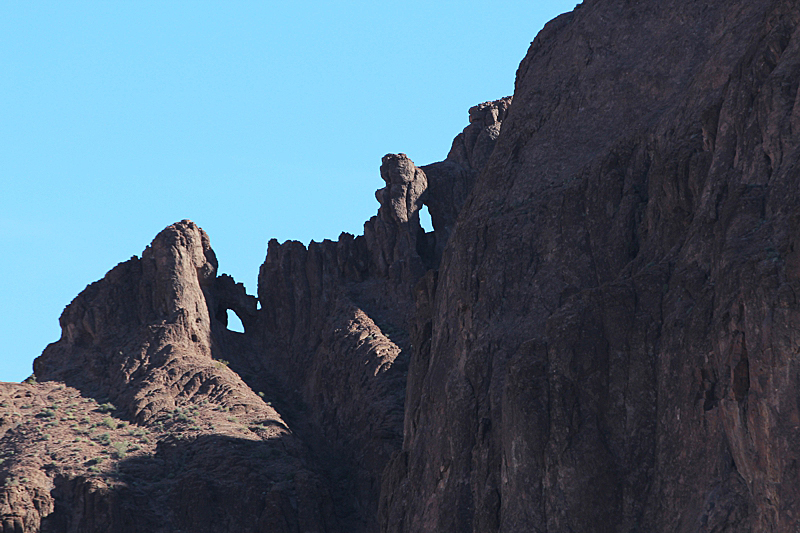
x=600, y=334
x=611, y=342
x=450, y=181
x=147, y=339
x=285, y=427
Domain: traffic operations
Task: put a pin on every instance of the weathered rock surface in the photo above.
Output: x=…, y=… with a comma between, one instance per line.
x=450, y=181
x=612, y=342
x=146, y=337
x=600, y=334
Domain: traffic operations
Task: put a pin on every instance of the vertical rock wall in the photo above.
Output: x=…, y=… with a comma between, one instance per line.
x=610, y=344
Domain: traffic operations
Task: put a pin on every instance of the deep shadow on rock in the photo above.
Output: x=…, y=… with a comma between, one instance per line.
x=211, y=483
x=600, y=334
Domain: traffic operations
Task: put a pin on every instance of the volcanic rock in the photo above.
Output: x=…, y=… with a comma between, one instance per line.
x=610, y=344
x=600, y=334
x=146, y=339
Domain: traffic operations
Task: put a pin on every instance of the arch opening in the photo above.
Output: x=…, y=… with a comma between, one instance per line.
x=234, y=322
x=425, y=219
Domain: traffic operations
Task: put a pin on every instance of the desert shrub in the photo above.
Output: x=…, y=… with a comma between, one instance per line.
x=120, y=449
x=106, y=407
x=109, y=423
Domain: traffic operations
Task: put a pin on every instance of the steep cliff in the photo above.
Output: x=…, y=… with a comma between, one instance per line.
x=335, y=316
x=600, y=334
x=611, y=343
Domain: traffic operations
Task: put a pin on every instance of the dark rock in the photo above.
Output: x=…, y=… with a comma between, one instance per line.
x=148, y=337
x=450, y=181
x=600, y=334
x=611, y=346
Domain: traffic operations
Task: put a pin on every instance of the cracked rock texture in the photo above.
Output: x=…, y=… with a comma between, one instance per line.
x=601, y=333
x=611, y=343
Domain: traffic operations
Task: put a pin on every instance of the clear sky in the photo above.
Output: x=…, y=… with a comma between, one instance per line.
x=257, y=120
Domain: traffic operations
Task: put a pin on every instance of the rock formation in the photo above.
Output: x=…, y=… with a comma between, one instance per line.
x=600, y=334
x=146, y=340
x=611, y=342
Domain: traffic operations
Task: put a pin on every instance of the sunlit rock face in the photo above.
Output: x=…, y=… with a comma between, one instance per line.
x=202, y=451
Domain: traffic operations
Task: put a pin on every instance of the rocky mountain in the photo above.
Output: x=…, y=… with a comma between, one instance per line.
x=600, y=334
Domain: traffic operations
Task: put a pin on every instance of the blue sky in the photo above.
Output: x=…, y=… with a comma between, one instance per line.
x=257, y=120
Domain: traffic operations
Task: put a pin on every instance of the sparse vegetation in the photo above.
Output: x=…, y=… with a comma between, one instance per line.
x=109, y=423
x=120, y=449
x=106, y=407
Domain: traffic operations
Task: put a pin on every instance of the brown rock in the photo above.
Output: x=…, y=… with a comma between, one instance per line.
x=611, y=337
x=600, y=334
x=147, y=338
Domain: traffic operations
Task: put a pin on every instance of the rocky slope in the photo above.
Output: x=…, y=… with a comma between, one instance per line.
x=146, y=339
x=600, y=334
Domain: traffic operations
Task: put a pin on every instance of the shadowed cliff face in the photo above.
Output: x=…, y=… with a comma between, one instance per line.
x=148, y=346
x=611, y=344
x=335, y=320
x=600, y=334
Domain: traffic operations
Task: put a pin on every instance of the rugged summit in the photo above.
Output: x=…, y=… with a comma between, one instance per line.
x=600, y=334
